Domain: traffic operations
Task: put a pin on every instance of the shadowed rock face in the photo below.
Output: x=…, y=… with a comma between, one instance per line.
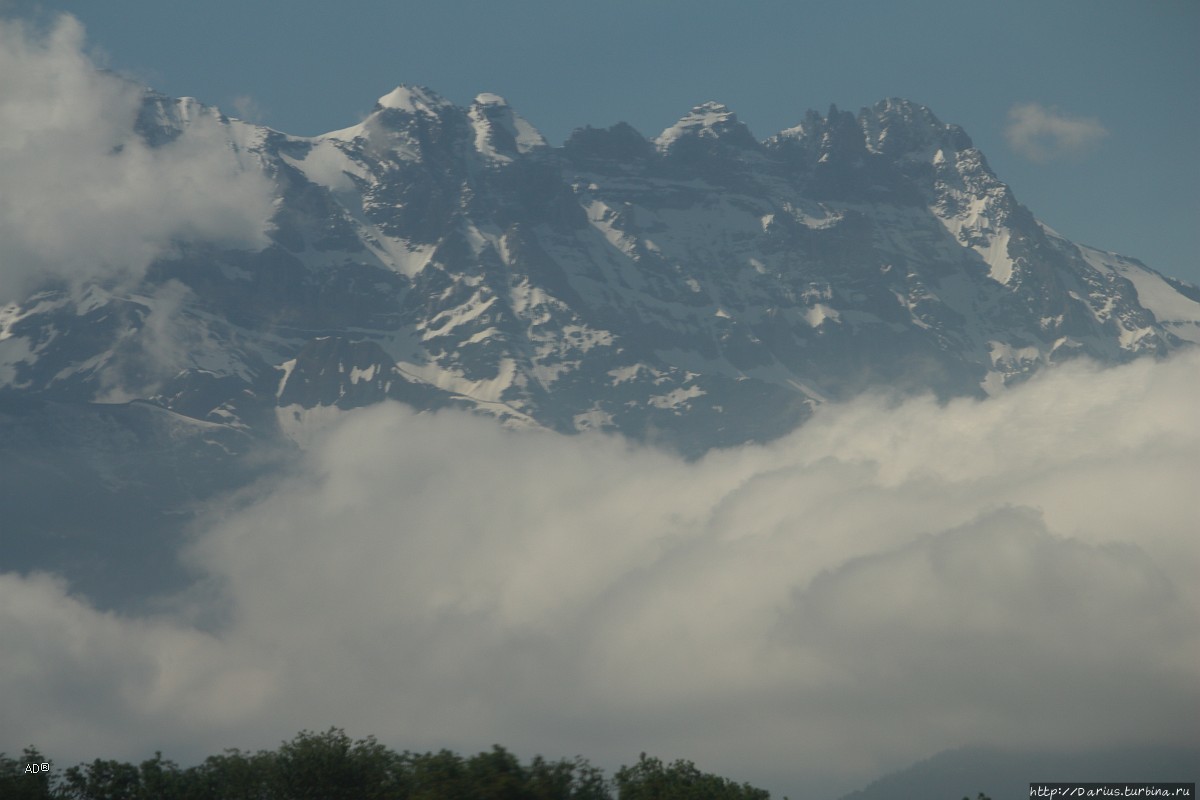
x=700, y=289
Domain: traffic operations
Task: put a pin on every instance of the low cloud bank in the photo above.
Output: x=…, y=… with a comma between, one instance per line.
x=885, y=583
x=82, y=196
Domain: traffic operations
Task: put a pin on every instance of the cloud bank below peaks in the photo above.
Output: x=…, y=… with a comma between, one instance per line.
x=888, y=582
x=82, y=196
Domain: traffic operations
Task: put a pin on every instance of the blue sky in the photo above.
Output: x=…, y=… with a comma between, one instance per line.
x=1130, y=70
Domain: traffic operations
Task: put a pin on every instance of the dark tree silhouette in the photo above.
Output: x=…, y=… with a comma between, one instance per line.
x=332, y=766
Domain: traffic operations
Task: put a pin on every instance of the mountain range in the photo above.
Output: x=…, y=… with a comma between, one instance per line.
x=695, y=290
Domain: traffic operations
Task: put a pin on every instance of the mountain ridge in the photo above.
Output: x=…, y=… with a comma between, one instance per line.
x=705, y=258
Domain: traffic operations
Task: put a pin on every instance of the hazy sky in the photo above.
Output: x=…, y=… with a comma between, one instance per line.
x=1088, y=109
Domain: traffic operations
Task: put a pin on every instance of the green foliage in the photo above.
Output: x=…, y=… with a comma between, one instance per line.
x=332, y=766
x=103, y=780
x=232, y=776
x=329, y=766
x=649, y=779
x=161, y=779
x=577, y=780
x=436, y=776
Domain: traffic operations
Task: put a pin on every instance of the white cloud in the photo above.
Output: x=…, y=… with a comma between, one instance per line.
x=1044, y=134
x=887, y=582
x=82, y=197
x=167, y=341
x=248, y=108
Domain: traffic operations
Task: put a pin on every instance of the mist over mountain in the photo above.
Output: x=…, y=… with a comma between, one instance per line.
x=774, y=449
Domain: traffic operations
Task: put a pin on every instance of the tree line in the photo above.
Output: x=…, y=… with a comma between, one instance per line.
x=331, y=766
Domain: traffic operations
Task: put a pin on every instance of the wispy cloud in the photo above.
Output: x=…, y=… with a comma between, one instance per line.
x=82, y=196
x=1043, y=134
x=248, y=108
x=885, y=583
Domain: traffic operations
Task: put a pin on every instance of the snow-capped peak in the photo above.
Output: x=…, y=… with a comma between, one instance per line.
x=707, y=121
x=489, y=99
x=405, y=102
x=500, y=132
x=413, y=99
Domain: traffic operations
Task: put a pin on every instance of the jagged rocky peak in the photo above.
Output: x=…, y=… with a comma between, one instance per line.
x=607, y=148
x=835, y=137
x=896, y=148
x=896, y=127
x=711, y=121
x=501, y=133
